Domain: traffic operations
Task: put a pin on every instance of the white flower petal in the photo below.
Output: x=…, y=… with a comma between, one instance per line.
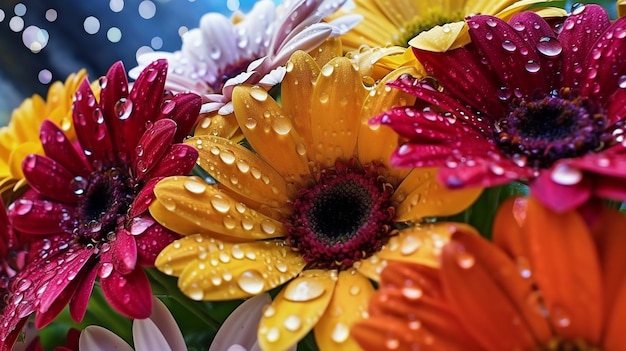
x=148, y=337
x=166, y=323
x=240, y=328
x=95, y=338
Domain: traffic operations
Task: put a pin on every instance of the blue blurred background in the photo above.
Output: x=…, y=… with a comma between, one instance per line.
x=45, y=41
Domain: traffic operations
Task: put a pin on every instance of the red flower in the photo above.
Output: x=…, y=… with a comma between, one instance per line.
x=550, y=281
x=86, y=213
x=523, y=102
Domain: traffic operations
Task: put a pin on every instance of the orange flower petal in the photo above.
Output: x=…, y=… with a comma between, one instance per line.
x=348, y=305
x=195, y=201
x=336, y=103
x=296, y=309
x=271, y=132
x=564, y=260
x=236, y=271
x=329, y=49
x=420, y=195
x=375, y=142
x=507, y=229
x=614, y=337
x=409, y=312
x=166, y=218
x=238, y=169
x=484, y=286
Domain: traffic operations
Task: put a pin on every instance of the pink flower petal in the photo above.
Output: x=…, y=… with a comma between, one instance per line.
x=116, y=108
x=124, y=252
x=179, y=159
x=152, y=145
x=129, y=294
x=49, y=178
x=40, y=216
x=560, y=197
x=184, y=109
x=152, y=242
x=59, y=148
x=144, y=198
x=89, y=122
x=78, y=303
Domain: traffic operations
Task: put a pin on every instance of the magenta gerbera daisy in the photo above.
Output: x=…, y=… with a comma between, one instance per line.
x=86, y=213
x=524, y=101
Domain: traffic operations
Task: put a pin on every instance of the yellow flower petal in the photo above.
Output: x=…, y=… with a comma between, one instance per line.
x=329, y=49
x=517, y=6
x=224, y=126
x=376, y=142
x=348, y=305
x=169, y=220
x=296, y=92
x=239, y=270
x=296, y=309
x=621, y=8
x=371, y=267
x=270, y=132
x=338, y=96
x=238, y=169
x=420, y=244
x=420, y=195
x=183, y=252
x=442, y=38
x=204, y=205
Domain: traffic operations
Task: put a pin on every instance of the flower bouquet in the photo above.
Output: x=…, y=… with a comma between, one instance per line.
x=377, y=175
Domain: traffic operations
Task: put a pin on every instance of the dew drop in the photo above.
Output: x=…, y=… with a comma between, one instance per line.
x=227, y=156
x=282, y=125
x=621, y=81
x=105, y=270
x=268, y=227
x=324, y=97
x=195, y=293
x=509, y=45
x=566, y=175
x=250, y=123
x=465, y=260
x=410, y=245
x=303, y=290
x=123, y=108
x=220, y=204
x=78, y=185
x=392, y=344
x=258, y=93
x=328, y=70
x=532, y=66
x=251, y=282
x=412, y=292
x=340, y=333
x=549, y=46
x=292, y=323
x=194, y=186
x=273, y=334
x=301, y=149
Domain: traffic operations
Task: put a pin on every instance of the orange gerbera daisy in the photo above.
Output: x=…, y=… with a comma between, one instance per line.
x=315, y=203
x=550, y=281
x=21, y=136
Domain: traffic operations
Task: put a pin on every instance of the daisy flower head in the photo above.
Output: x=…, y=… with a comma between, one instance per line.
x=395, y=23
x=316, y=205
x=523, y=102
x=86, y=212
x=21, y=136
x=549, y=281
x=252, y=49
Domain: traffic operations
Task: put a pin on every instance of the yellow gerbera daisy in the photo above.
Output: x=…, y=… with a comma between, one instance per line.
x=21, y=136
x=395, y=22
x=316, y=204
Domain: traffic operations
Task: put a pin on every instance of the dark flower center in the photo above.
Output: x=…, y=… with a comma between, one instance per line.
x=105, y=198
x=542, y=131
x=344, y=217
x=558, y=344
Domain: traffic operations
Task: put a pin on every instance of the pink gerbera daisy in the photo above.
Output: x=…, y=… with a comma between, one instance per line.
x=85, y=215
x=525, y=101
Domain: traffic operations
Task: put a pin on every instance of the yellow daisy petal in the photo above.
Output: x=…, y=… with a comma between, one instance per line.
x=172, y=222
x=224, y=126
x=621, y=8
x=270, y=132
x=521, y=5
x=442, y=38
x=420, y=195
x=19, y=153
x=239, y=270
x=329, y=49
x=371, y=267
x=420, y=244
x=296, y=309
x=348, y=305
x=337, y=98
x=204, y=205
x=376, y=143
x=183, y=252
x=238, y=169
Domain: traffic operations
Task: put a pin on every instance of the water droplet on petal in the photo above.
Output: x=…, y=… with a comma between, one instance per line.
x=292, y=323
x=273, y=334
x=412, y=292
x=220, y=204
x=123, y=108
x=549, y=46
x=566, y=175
x=258, y=93
x=303, y=290
x=194, y=186
x=327, y=70
x=465, y=260
x=227, y=157
x=621, y=81
x=22, y=206
x=340, y=333
x=410, y=245
x=532, y=66
x=106, y=269
x=251, y=281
